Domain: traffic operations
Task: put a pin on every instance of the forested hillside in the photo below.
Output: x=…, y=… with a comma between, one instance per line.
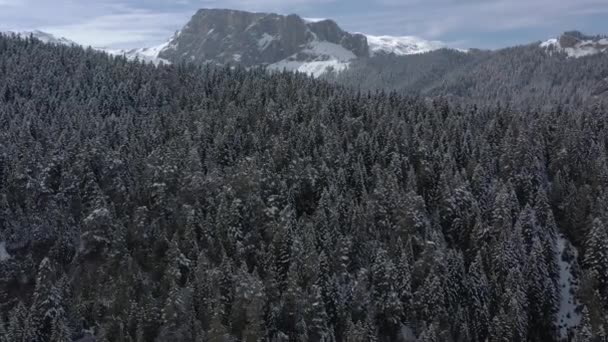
x=185, y=203
x=525, y=76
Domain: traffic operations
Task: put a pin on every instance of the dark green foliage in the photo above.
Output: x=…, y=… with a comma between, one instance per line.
x=185, y=203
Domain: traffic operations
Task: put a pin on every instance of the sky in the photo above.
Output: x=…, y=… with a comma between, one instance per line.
x=459, y=23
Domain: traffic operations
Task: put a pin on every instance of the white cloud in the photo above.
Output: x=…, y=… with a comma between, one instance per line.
x=437, y=18
x=118, y=24
x=262, y=5
x=132, y=23
x=127, y=29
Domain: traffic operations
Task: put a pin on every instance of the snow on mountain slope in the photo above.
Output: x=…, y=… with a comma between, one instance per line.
x=568, y=317
x=582, y=49
x=265, y=41
x=576, y=45
x=320, y=57
x=42, y=36
x=224, y=36
x=314, y=20
x=405, y=45
x=309, y=45
x=143, y=54
x=149, y=55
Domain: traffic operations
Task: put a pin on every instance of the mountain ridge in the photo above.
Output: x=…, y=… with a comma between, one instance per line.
x=44, y=37
x=576, y=44
x=313, y=46
x=280, y=42
x=224, y=36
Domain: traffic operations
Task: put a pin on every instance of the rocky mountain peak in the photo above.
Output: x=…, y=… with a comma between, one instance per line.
x=328, y=30
x=224, y=36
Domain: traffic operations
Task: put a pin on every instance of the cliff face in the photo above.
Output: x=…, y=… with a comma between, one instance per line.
x=224, y=36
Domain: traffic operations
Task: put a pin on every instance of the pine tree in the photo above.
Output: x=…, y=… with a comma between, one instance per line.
x=355, y=332
x=479, y=300
x=596, y=255
x=217, y=331
x=247, y=308
x=499, y=330
x=540, y=286
x=47, y=306
x=318, y=329
x=97, y=220
x=60, y=331
x=583, y=331
x=21, y=327
x=430, y=334
x=386, y=299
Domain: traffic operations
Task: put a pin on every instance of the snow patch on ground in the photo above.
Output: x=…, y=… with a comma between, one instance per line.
x=314, y=68
x=149, y=55
x=405, y=45
x=265, y=41
x=550, y=43
x=568, y=316
x=320, y=57
x=3, y=252
x=581, y=49
x=329, y=49
x=313, y=20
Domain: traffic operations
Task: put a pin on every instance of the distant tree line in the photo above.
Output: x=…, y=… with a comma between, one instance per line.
x=526, y=77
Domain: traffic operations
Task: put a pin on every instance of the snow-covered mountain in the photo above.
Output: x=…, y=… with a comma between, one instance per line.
x=44, y=37
x=143, y=54
x=405, y=45
x=576, y=45
x=317, y=58
x=289, y=42
x=279, y=42
x=149, y=55
x=292, y=43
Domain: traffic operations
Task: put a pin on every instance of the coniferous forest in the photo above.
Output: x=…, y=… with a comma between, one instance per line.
x=200, y=203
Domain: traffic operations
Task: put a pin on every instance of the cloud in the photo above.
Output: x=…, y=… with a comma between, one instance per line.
x=113, y=23
x=128, y=29
x=124, y=23
x=132, y=23
x=276, y=6
x=118, y=24
x=6, y=3
x=443, y=19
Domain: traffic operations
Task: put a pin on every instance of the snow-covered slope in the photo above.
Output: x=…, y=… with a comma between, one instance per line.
x=149, y=55
x=320, y=57
x=568, y=316
x=290, y=42
x=316, y=57
x=44, y=37
x=143, y=54
x=576, y=45
x=405, y=45
x=309, y=45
